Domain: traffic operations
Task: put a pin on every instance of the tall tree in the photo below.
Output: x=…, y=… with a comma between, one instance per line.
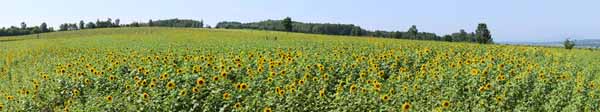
x=483, y=34
x=287, y=24
x=201, y=24
x=117, y=22
x=412, y=32
x=569, y=44
x=44, y=27
x=23, y=25
x=81, y=24
x=150, y=23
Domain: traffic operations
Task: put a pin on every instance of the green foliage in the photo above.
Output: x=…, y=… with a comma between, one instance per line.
x=186, y=23
x=81, y=24
x=569, y=44
x=24, y=30
x=44, y=27
x=483, y=34
x=287, y=24
x=90, y=25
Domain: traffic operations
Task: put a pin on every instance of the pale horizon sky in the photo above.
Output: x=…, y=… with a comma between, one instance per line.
x=508, y=20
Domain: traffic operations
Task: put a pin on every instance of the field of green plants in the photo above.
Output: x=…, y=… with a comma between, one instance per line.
x=178, y=69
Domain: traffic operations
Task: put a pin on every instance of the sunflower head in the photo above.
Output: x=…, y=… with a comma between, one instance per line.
x=226, y=96
x=146, y=96
x=267, y=109
x=171, y=85
x=109, y=98
x=200, y=81
x=385, y=97
x=445, y=104
x=406, y=106
x=238, y=105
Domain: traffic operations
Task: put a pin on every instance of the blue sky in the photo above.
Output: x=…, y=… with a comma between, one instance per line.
x=509, y=20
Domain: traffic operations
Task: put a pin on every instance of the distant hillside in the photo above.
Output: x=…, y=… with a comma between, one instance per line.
x=583, y=43
x=329, y=29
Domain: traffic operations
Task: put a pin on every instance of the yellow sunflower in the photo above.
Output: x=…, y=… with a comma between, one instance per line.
x=267, y=109
x=445, y=104
x=171, y=85
x=109, y=98
x=200, y=81
x=226, y=96
x=406, y=106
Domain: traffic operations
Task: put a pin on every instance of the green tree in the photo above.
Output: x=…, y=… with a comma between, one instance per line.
x=569, y=44
x=150, y=23
x=201, y=24
x=44, y=27
x=81, y=24
x=90, y=25
x=287, y=24
x=412, y=32
x=117, y=22
x=447, y=38
x=23, y=25
x=356, y=31
x=483, y=34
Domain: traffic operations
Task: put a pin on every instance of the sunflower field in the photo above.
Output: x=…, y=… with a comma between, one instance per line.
x=177, y=69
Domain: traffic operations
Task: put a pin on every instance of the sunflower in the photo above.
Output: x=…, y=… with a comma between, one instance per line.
x=9, y=98
x=385, y=97
x=112, y=78
x=405, y=106
x=226, y=96
x=183, y=92
x=488, y=86
x=352, y=88
x=215, y=78
x=195, y=90
x=377, y=86
x=474, y=71
x=1, y=107
x=445, y=104
x=88, y=81
x=243, y=86
x=164, y=76
x=179, y=71
x=224, y=74
x=75, y=92
x=281, y=92
x=500, y=77
x=267, y=109
x=482, y=89
x=322, y=92
x=171, y=85
x=46, y=77
x=238, y=105
x=146, y=96
x=109, y=98
x=199, y=81
x=152, y=85
x=499, y=99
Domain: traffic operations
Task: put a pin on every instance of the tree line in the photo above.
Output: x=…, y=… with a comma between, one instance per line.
x=108, y=23
x=481, y=35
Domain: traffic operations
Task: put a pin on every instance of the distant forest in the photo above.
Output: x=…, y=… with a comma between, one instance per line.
x=481, y=35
